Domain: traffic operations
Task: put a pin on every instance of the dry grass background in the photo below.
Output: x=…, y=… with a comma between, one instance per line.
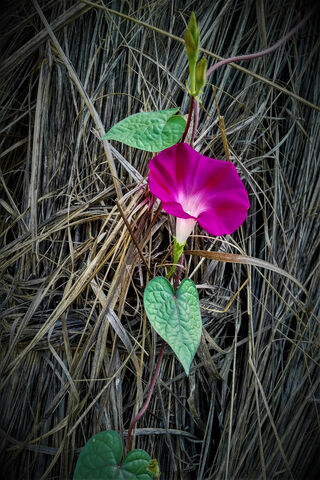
x=77, y=352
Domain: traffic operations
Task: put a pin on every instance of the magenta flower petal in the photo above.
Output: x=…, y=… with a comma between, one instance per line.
x=175, y=209
x=191, y=185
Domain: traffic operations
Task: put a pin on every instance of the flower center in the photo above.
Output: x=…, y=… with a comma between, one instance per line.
x=192, y=204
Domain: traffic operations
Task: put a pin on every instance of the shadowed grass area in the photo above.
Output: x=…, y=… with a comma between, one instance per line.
x=77, y=352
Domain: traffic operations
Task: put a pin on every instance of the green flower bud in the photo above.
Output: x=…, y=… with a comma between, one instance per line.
x=189, y=44
x=201, y=70
x=192, y=39
x=193, y=28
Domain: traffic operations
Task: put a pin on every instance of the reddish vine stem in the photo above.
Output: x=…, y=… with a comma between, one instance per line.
x=195, y=121
x=156, y=372
x=146, y=404
x=194, y=104
x=262, y=53
x=188, y=121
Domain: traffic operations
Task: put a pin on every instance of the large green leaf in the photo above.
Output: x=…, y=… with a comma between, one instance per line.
x=176, y=318
x=150, y=131
x=100, y=459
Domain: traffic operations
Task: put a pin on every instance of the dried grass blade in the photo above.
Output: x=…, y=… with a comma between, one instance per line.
x=267, y=81
x=85, y=97
x=265, y=401
x=29, y=47
x=244, y=260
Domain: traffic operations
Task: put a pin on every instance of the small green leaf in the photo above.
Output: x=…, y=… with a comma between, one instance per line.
x=100, y=459
x=136, y=463
x=153, y=467
x=150, y=131
x=176, y=318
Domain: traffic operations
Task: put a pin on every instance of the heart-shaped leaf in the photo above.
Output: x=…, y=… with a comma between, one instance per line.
x=176, y=318
x=100, y=459
x=150, y=131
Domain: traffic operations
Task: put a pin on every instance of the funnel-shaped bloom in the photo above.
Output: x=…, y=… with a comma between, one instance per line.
x=196, y=188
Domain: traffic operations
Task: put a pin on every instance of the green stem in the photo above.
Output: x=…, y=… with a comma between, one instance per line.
x=177, y=252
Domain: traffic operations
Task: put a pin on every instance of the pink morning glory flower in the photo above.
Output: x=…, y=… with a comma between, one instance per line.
x=195, y=188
